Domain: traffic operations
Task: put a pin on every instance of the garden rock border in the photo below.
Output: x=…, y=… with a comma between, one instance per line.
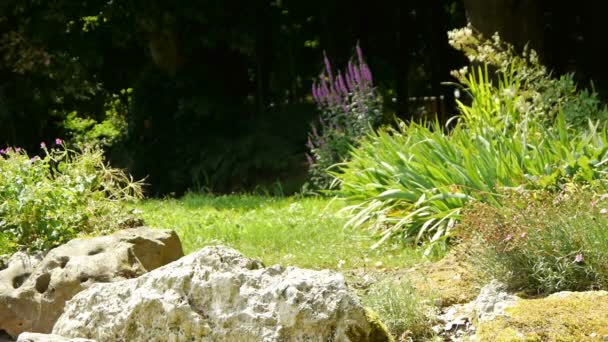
x=34, y=289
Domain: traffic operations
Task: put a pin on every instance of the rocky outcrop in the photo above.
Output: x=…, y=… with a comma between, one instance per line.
x=34, y=289
x=498, y=316
x=563, y=316
x=218, y=294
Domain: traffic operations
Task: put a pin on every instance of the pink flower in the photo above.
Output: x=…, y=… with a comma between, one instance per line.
x=579, y=257
x=17, y=149
x=42, y=145
x=58, y=141
x=509, y=237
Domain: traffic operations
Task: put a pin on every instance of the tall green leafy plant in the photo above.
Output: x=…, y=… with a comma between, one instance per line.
x=412, y=182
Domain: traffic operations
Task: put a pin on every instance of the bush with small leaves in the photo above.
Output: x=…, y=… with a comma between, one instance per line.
x=46, y=201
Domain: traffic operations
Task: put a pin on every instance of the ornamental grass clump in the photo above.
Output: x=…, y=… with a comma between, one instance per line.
x=412, y=182
x=46, y=201
x=350, y=108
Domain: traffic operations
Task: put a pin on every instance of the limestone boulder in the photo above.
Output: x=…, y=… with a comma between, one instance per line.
x=34, y=289
x=37, y=337
x=217, y=294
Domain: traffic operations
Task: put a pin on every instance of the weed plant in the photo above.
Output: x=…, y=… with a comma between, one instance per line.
x=542, y=242
x=46, y=201
x=402, y=309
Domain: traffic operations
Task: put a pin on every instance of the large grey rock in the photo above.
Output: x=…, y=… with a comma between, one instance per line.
x=216, y=294
x=33, y=290
x=36, y=337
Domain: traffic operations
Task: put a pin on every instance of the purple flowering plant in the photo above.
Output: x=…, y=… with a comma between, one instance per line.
x=349, y=108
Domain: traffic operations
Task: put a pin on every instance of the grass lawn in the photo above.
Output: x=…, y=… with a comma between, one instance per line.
x=304, y=232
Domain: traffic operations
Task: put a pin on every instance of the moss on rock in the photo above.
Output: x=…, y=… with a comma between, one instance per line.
x=379, y=332
x=564, y=316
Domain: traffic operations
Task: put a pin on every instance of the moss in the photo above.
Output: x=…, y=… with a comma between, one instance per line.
x=450, y=280
x=576, y=316
x=378, y=333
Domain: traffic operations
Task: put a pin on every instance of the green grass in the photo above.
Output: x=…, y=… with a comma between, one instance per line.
x=303, y=232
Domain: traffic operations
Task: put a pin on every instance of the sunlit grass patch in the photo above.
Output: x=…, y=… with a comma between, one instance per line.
x=304, y=232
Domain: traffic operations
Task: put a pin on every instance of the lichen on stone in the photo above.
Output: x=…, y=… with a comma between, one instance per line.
x=564, y=316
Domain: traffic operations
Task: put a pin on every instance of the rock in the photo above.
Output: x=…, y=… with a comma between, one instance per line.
x=216, y=294
x=36, y=337
x=493, y=300
x=34, y=289
x=458, y=319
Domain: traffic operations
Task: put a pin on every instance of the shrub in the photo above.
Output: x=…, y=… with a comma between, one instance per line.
x=50, y=200
x=413, y=181
x=399, y=307
x=349, y=108
x=86, y=130
x=542, y=242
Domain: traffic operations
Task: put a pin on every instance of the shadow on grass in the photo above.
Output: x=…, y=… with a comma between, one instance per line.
x=235, y=202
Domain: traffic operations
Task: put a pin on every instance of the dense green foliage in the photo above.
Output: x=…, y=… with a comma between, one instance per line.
x=220, y=94
x=47, y=201
x=542, y=242
x=412, y=182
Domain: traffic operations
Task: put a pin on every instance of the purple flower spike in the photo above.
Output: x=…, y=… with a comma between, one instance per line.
x=315, y=92
x=343, y=88
x=357, y=76
x=3, y=151
x=351, y=71
x=359, y=54
x=310, y=160
x=366, y=74
x=309, y=144
x=324, y=91
x=328, y=67
x=349, y=83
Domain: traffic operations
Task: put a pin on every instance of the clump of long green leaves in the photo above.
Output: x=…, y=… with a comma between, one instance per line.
x=412, y=182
